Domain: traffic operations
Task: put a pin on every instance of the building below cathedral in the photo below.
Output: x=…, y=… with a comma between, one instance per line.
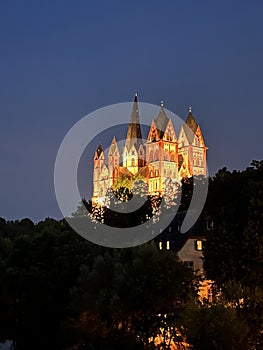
x=162, y=158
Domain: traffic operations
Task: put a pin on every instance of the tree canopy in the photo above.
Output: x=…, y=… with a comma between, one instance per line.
x=59, y=291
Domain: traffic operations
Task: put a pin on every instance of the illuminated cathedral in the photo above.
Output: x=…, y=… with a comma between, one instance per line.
x=163, y=156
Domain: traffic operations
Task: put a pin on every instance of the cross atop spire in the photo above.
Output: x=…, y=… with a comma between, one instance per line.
x=136, y=96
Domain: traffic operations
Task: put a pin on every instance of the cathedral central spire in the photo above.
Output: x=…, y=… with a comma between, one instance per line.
x=134, y=135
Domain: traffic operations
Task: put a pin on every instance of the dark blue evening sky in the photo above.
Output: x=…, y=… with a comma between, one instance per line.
x=63, y=59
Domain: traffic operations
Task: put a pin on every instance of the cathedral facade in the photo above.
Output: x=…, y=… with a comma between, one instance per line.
x=163, y=157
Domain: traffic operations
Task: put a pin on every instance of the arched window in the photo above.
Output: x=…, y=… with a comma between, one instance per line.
x=151, y=173
x=132, y=162
x=172, y=156
x=156, y=173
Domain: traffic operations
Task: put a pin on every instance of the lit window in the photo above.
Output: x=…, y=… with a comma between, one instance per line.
x=133, y=162
x=160, y=245
x=168, y=245
x=199, y=245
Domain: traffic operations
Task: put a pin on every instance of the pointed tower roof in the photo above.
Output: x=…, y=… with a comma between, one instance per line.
x=98, y=151
x=161, y=120
x=190, y=126
x=134, y=135
x=114, y=146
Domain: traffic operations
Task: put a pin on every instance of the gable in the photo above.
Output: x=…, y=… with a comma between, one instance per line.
x=169, y=134
x=133, y=151
x=153, y=135
x=104, y=172
x=182, y=139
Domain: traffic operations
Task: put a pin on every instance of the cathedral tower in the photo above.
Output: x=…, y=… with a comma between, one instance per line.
x=113, y=161
x=192, y=148
x=161, y=152
x=100, y=175
x=133, y=151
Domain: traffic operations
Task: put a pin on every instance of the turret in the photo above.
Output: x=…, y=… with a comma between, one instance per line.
x=113, y=161
x=192, y=148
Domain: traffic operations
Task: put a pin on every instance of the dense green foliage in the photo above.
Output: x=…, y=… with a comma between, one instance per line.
x=234, y=248
x=58, y=291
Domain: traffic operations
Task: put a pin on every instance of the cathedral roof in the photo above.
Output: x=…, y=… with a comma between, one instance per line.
x=143, y=171
x=124, y=171
x=161, y=121
x=134, y=135
x=190, y=126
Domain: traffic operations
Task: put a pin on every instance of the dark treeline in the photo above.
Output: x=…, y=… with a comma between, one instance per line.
x=59, y=291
